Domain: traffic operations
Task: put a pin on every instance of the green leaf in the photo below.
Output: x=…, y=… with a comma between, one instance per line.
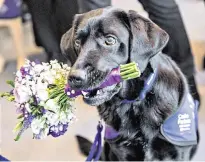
x=20, y=116
x=51, y=86
x=11, y=98
x=65, y=106
x=5, y=94
x=63, y=101
x=54, y=94
x=11, y=83
x=31, y=100
x=18, y=126
x=61, y=96
x=17, y=137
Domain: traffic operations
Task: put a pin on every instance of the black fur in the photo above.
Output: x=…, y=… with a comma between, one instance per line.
x=139, y=40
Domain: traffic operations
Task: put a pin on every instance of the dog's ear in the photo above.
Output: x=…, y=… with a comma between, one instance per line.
x=67, y=48
x=68, y=39
x=147, y=39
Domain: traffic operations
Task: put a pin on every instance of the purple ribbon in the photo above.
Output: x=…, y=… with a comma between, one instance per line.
x=196, y=112
x=113, y=78
x=96, y=148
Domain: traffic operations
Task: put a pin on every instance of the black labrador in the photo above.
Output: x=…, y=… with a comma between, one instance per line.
x=103, y=39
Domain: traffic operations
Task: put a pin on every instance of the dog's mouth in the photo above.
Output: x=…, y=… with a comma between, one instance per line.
x=99, y=96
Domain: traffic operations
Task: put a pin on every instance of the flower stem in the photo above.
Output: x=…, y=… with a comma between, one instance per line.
x=129, y=71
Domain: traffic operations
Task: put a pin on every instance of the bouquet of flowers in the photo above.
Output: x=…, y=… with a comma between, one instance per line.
x=44, y=100
x=39, y=96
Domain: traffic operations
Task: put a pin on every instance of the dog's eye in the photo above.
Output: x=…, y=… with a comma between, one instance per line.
x=110, y=40
x=77, y=42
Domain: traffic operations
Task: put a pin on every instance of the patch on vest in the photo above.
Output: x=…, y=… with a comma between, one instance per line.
x=180, y=128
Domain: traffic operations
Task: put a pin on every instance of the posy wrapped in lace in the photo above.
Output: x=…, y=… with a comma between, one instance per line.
x=44, y=101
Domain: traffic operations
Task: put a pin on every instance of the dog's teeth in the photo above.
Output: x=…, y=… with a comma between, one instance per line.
x=84, y=93
x=98, y=92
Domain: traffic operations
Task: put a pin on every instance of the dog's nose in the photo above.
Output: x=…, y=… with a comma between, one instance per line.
x=76, y=78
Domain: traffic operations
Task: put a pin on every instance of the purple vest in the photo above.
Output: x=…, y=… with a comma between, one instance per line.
x=179, y=129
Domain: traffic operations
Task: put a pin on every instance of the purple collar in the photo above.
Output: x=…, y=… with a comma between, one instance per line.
x=110, y=133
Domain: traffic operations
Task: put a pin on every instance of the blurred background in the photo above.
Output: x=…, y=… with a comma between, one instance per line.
x=32, y=29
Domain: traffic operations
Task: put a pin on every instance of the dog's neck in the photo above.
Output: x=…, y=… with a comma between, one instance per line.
x=130, y=91
x=148, y=114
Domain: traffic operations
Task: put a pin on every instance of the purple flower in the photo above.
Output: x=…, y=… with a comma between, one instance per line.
x=43, y=110
x=12, y=92
x=26, y=124
x=58, y=130
x=36, y=100
x=24, y=71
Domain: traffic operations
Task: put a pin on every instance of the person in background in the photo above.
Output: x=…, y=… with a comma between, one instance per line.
x=204, y=56
x=166, y=14
x=50, y=20
x=2, y=61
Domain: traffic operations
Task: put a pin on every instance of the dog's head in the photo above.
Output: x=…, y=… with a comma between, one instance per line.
x=101, y=40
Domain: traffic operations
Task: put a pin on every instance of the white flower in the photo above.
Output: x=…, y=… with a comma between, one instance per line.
x=23, y=81
x=52, y=105
x=53, y=62
x=38, y=68
x=28, y=77
x=41, y=84
x=56, y=66
x=66, y=67
x=42, y=103
x=53, y=72
x=33, y=63
x=46, y=66
x=27, y=106
x=18, y=74
x=42, y=94
x=63, y=118
x=37, y=125
x=33, y=89
x=21, y=94
x=31, y=72
x=52, y=118
x=66, y=117
x=41, y=89
x=48, y=76
x=44, y=133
